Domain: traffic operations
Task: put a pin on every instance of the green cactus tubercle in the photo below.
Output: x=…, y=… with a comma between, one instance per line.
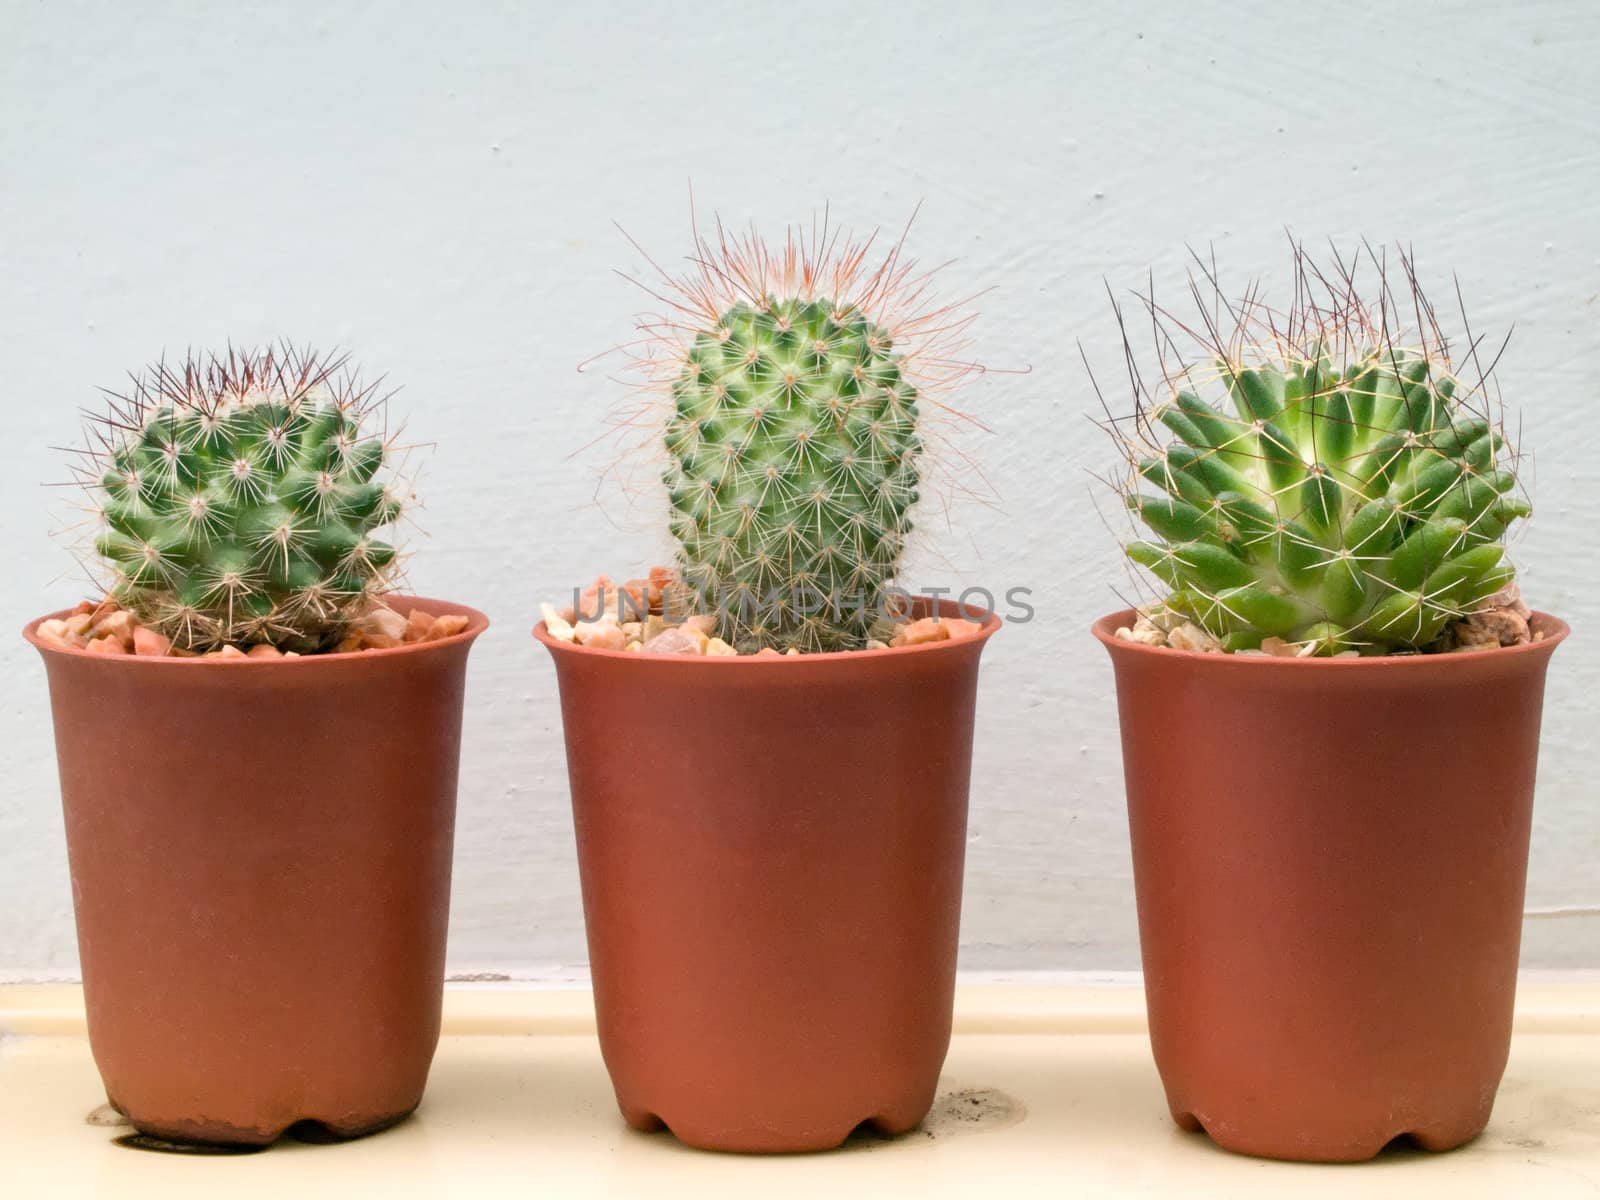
x=793, y=445
x=242, y=512
x=1356, y=504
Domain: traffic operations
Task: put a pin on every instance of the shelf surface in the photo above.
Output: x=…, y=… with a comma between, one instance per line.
x=1049, y=1090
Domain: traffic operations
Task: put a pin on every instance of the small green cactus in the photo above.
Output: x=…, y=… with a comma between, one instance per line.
x=1317, y=479
x=798, y=380
x=794, y=468
x=239, y=497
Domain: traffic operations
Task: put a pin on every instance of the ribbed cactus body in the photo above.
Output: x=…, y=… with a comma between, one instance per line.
x=243, y=508
x=1358, y=503
x=794, y=444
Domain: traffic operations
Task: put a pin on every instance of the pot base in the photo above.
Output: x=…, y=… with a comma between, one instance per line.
x=791, y=1138
x=312, y=1130
x=1360, y=1145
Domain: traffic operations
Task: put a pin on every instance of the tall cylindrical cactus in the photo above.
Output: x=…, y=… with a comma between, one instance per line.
x=794, y=445
x=798, y=380
x=240, y=499
x=1313, y=476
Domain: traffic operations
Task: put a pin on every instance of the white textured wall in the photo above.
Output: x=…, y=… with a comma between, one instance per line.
x=433, y=187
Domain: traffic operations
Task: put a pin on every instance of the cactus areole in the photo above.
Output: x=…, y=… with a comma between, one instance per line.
x=241, y=498
x=1312, y=477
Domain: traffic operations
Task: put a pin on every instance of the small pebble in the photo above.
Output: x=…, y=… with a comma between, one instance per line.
x=677, y=639
x=1144, y=632
x=596, y=601
x=1493, y=627
x=661, y=578
x=633, y=599
x=1189, y=636
x=556, y=625
x=419, y=625
x=928, y=629
x=54, y=631
x=119, y=624
x=604, y=634
x=448, y=625
x=383, y=622
x=150, y=644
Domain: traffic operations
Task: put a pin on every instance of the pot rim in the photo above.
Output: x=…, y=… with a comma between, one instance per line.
x=946, y=609
x=1555, y=631
x=477, y=622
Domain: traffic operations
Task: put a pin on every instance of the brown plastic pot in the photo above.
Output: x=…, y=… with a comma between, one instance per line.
x=771, y=853
x=260, y=854
x=1329, y=858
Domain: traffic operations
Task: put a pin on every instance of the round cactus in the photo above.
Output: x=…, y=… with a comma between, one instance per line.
x=240, y=497
x=1338, y=489
x=794, y=445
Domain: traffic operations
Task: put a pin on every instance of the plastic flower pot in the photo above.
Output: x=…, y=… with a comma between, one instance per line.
x=1329, y=858
x=771, y=855
x=260, y=854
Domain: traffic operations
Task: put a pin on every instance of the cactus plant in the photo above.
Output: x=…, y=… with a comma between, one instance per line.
x=239, y=496
x=799, y=379
x=1315, y=476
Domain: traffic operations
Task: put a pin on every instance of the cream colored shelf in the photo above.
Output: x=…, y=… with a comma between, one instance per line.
x=1048, y=1091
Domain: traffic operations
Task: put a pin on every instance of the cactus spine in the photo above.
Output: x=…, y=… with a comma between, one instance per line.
x=239, y=499
x=1310, y=476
